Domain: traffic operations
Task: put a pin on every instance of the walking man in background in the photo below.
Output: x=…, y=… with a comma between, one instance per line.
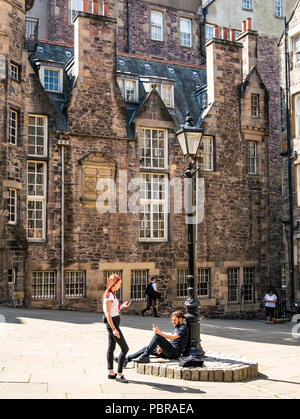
x=152, y=295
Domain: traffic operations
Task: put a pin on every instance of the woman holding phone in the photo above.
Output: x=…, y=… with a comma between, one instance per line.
x=111, y=310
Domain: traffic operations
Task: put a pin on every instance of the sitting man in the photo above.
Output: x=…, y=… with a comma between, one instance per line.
x=165, y=345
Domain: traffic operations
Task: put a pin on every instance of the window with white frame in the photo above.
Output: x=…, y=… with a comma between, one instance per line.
x=297, y=116
x=107, y=274
x=75, y=284
x=36, y=200
x=76, y=6
x=209, y=31
x=12, y=205
x=129, y=89
x=247, y=4
x=153, y=207
x=296, y=51
x=37, y=135
x=255, y=106
x=278, y=8
x=249, y=274
x=298, y=185
x=233, y=285
x=157, y=26
x=165, y=90
x=43, y=285
x=14, y=71
x=185, y=32
x=252, y=157
x=12, y=276
x=51, y=79
x=203, y=282
x=13, y=127
x=207, y=154
x=182, y=283
x=138, y=284
x=283, y=275
x=153, y=148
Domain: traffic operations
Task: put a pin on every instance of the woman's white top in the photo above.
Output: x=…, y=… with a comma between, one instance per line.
x=114, y=307
x=270, y=300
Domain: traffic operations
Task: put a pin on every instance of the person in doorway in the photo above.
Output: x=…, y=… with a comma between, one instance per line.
x=270, y=300
x=165, y=345
x=152, y=295
x=111, y=310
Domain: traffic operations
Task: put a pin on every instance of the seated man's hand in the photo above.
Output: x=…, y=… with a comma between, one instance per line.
x=159, y=351
x=155, y=329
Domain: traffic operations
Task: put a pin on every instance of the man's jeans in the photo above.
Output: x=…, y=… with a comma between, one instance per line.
x=168, y=350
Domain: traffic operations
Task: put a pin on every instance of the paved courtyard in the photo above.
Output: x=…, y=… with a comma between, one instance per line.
x=53, y=354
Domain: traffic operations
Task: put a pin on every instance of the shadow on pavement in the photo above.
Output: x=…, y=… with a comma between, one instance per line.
x=265, y=377
x=169, y=387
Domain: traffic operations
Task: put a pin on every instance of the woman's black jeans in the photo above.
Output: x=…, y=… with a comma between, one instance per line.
x=112, y=340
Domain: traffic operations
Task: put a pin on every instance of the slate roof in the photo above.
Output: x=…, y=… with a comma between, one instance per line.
x=187, y=81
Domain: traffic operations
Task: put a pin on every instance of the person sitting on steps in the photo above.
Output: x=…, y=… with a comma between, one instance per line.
x=164, y=345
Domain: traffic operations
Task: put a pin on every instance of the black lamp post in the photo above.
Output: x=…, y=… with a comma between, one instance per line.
x=189, y=139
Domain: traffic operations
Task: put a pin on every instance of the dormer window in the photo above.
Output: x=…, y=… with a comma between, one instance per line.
x=51, y=79
x=165, y=90
x=129, y=89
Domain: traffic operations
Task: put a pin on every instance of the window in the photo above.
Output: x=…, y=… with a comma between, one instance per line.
x=182, y=283
x=296, y=50
x=252, y=157
x=247, y=4
x=37, y=135
x=233, y=285
x=157, y=26
x=153, y=208
x=204, y=283
x=13, y=127
x=76, y=6
x=207, y=154
x=75, y=284
x=52, y=79
x=297, y=116
x=166, y=91
x=36, y=200
x=12, y=206
x=278, y=8
x=283, y=276
x=203, y=100
x=209, y=30
x=185, y=32
x=107, y=274
x=129, y=89
x=255, y=106
x=237, y=34
x=43, y=285
x=138, y=284
x=14, y=71
x=298, y=186
x=249, y=274
x=153, y=148
x=12, y=276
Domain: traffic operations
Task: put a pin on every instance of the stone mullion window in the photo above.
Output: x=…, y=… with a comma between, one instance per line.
x=75, y=284
x=37, y=135
x=43, y=285
x=203, y=282
x=185, y=32
x=182, y=283
x=138, y=284
x=36, y=200
x=249, y=275
x=255, y=106
x=12, y=205
x=207, y=154
x=153, y=204
x=154, y=149
x=107, y=274
x=252, y=157
x=233, y=285
x=13, y=127
x=157, y=26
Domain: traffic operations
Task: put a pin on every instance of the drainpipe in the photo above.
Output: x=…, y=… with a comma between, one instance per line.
x=62, y=143
x=290, y=175
x=202, y=32
x=127, y=28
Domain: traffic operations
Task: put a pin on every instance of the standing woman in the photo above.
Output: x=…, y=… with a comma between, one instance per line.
x=111, y=310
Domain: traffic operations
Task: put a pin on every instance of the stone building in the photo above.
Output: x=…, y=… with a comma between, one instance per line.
x=115, y=116
x=290, y=67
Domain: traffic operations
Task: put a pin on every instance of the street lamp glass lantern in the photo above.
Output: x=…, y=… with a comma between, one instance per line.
x=189, y=138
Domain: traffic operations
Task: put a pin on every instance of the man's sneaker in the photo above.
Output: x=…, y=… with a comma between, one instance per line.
x=116, y=359
x=142, y=359
x=122, y=379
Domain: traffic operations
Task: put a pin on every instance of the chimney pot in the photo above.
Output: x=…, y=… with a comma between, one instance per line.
x=224, y=33
x=106, y=9
x=95, y=7
x=85, y=5
x=232, y=35
x=244, y=26
x=248, y=25
x=216, y=31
